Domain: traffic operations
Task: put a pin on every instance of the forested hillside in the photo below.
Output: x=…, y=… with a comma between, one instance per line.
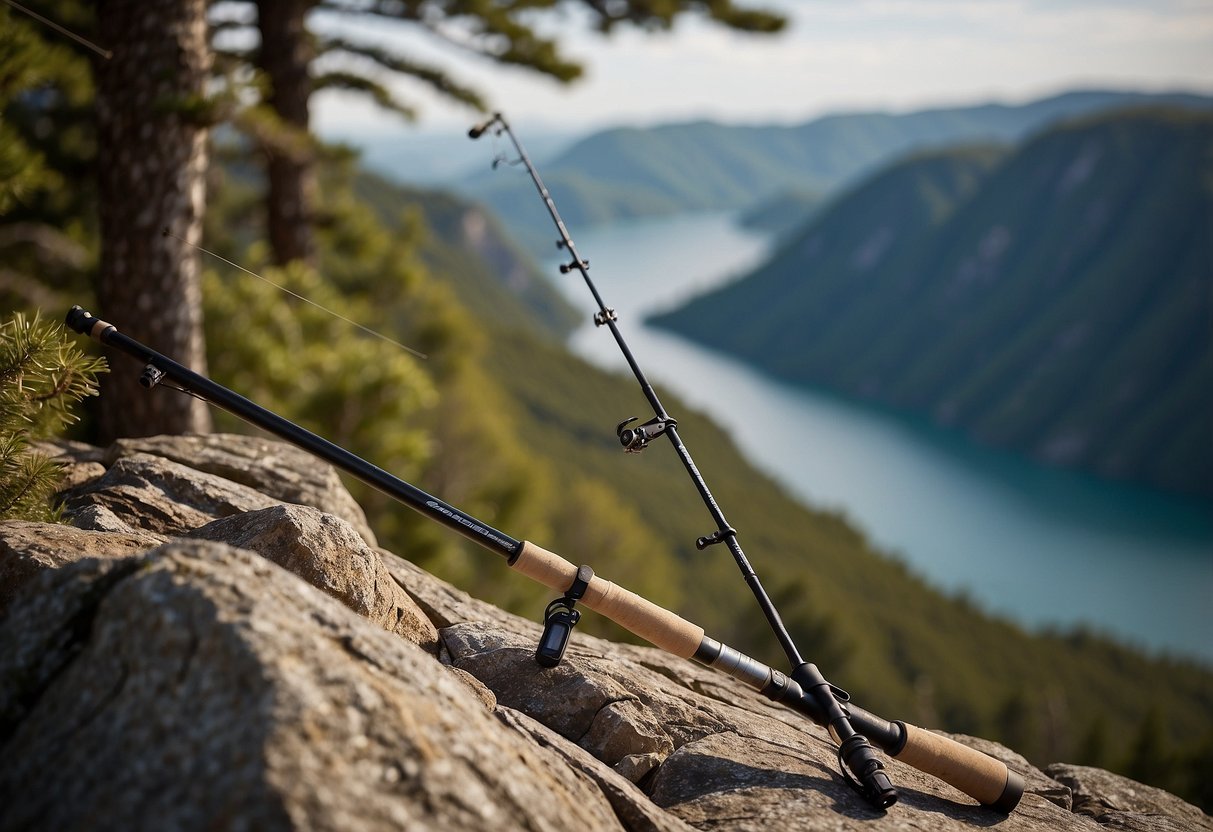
x=629, y=172
x=1058, y=304
x=490, y=273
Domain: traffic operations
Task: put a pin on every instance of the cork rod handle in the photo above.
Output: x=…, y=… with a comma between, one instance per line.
x=654, y=624
x=978, y=775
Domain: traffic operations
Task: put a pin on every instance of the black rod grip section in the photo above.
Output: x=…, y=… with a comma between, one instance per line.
x=80, y=320
x=86, y=323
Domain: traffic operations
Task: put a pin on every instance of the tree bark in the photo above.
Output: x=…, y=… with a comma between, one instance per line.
x=152, y=158
x=285, y=56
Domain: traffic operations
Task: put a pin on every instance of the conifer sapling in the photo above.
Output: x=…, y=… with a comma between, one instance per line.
x=42, y=377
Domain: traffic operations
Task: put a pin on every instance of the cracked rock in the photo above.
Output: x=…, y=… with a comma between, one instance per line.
x=201, y=686
x=28, y=549
x=330, y=555
x=1120, y=803
x=274, y=468
x=153, y=494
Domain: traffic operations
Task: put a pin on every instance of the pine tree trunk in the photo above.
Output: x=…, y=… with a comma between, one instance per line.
x=285, y=56
x=152, y=158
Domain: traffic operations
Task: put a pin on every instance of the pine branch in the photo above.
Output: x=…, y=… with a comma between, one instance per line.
x=660, y=14
x=27, y=481
x=358, y=83
x=493, y=32
x=264, y=126
x=41, y=377
x=500, y=30
x=434, y=77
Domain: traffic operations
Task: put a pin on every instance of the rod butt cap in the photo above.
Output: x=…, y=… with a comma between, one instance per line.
x=1011, y=793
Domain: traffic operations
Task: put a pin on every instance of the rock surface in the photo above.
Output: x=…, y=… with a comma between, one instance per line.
x=28, y=549
x=203, y=655
x=1120, y=803
x=274, y=468
x=326, y=552
x=201, y=686
x=153, y=493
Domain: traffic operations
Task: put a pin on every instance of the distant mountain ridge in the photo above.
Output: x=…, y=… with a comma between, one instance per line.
x=631, y=172
x=1058, y=302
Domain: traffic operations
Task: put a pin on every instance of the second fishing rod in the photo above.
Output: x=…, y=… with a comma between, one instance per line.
x=863, y=762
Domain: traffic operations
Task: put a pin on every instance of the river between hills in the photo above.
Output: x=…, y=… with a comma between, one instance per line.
x=1044, y=547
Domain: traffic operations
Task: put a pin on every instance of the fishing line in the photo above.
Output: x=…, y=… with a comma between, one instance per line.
x=167, y=233
x=105, y=53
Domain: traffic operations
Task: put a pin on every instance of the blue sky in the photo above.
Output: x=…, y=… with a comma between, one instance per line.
x=836, y=55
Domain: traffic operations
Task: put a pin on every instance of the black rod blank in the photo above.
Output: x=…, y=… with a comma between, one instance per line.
x=161, y=367
x=870, y=780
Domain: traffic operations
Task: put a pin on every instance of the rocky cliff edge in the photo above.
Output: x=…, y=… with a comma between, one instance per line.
x=217, y=643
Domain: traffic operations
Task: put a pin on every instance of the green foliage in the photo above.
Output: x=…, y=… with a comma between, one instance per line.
x=466, y=247
x=30, y=67
x=47, y=233
x=359, y=390
x=287, y=359
x=42, y=377
x=503, y=32
x=1058, y=305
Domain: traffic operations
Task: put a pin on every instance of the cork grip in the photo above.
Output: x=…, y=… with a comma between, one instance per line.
x=654, y=624
x=974, y=773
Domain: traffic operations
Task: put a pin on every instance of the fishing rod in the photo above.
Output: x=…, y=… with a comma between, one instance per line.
x=868, y=779
x=983, y=778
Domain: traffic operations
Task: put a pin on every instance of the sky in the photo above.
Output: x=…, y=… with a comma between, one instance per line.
x=835, y=55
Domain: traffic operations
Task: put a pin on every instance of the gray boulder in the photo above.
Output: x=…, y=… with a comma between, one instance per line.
x=154, y=494
x=1120, y=803
x=29, y=549
x=266, y=674
x=724, y=758
x=272, y=467
x=326, y=552
x=202, y=687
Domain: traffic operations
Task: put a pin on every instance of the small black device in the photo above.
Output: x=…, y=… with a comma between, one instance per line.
x=560, y=618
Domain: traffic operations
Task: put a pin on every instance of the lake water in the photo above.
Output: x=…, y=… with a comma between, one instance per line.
x=1045, y=547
